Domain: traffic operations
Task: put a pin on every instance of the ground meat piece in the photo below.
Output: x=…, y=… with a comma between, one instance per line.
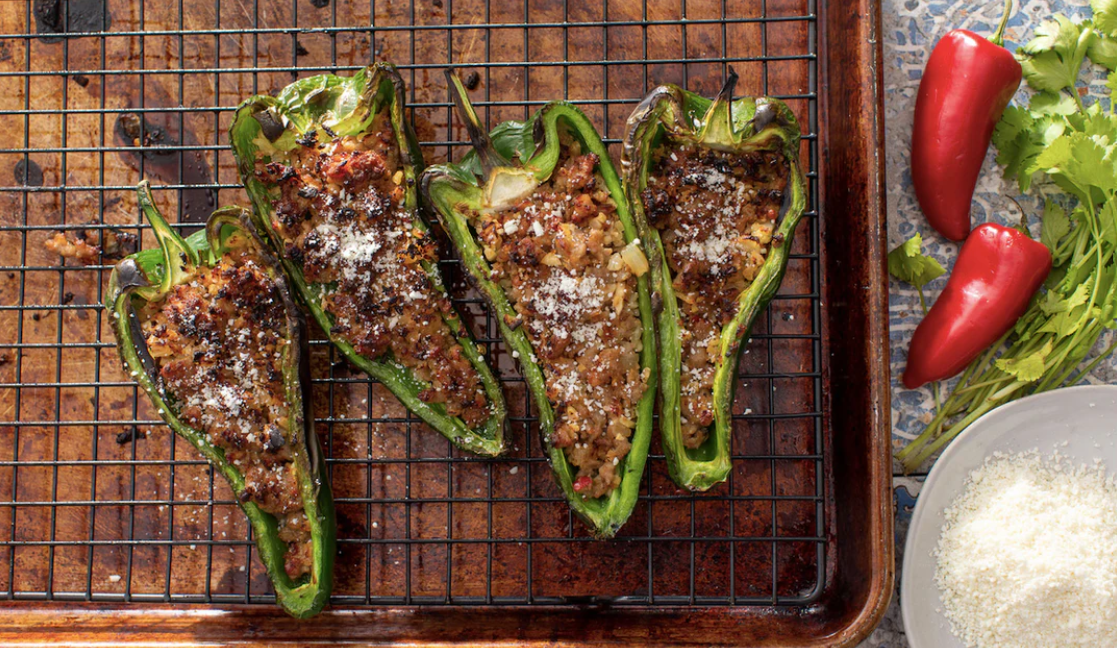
x=219, y=346
x=557, y=255
x=715, y=212
x=342, y=217
x=71, y=247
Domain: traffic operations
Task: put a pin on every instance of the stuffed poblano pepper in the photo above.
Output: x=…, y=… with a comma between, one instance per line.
x=207, y=327
x=716, y=192
x=331, y=166
x=539, y=219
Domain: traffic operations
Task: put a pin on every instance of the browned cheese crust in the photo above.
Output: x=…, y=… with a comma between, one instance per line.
x=218, y=342
x=342, y=218
x=715, y=212
x=558, y=256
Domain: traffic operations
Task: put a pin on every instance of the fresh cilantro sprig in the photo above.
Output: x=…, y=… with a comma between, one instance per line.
x=908, y=264
x=1067, y=151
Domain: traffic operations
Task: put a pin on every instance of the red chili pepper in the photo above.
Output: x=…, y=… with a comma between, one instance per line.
x=967, y=84
x=997, y=272
x=582, y=483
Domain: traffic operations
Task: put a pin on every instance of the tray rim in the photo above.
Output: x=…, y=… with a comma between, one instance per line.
x=854, y=29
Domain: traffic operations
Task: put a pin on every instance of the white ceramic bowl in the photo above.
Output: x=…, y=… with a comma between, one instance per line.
x=1085, y=418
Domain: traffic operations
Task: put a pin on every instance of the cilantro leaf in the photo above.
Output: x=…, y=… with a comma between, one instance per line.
x=1091, y=163
x=1058, y=34
x=1105, y=17
x=1103, y=51
x=1097, y=122
x=1055, y=55
x=1027, y=369
x=1052, y=158
x=1079, y=164
x=908, y=263
x=1053, y=103
x=1017, y=144
x=1054, y=226
x=1107, y=216
x=1014, y=120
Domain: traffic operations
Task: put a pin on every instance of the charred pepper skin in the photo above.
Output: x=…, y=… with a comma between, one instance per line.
x=149, y=274
x=968, y=82
x=742, y=126
x=333, y=107
x=997, y=272
x=528, y=153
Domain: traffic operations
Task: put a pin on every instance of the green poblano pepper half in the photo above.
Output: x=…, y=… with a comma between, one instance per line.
x=506, y=166
x=149, y=276
x=671, y=120
x=325, y=110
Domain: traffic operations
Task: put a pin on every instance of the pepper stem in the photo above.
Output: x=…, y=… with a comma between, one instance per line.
x=998, y=37
x=719, y=117
x=478, y=136
x=177, y=255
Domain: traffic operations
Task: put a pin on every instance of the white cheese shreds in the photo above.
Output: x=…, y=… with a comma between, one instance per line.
x=1028, y=555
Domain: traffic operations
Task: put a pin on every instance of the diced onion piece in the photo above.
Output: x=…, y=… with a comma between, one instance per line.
x=507, y=187
x=634, y=258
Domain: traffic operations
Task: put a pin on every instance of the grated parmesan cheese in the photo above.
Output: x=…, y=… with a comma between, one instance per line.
x=1028, y=555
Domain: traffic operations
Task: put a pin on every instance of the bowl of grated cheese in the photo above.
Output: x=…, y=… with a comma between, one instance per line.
x=1013, y=541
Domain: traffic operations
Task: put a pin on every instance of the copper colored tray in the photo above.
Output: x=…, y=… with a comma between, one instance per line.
x=113, y=540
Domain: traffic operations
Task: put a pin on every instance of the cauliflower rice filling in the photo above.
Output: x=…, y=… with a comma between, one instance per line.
x=219, y=344
x=561, y=257
x=342, y=216
x=715, y=213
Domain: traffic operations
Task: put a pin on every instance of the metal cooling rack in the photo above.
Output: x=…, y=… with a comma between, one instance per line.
x=88, y=514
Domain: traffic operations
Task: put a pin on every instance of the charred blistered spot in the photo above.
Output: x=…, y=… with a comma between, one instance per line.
x=294, y=253
x=135, y=131
x=73, y=16
x=308, y=192
x=277, y=172
x=155, y=142
x=345, y=215
x=524, y=252
x=308, y=139
x=28, y=173
x=270, y=125
x=129, y=435
x=656, y=203
x=290, y=213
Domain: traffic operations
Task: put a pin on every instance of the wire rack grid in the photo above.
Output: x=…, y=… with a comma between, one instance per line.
x=100, y=502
